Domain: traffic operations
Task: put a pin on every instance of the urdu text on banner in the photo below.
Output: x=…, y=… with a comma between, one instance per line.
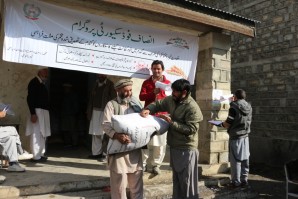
x=43, y=34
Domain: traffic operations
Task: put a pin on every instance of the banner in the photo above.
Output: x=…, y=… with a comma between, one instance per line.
x=44, y=34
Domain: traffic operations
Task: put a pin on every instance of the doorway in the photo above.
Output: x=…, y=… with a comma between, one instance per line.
x=61, y=80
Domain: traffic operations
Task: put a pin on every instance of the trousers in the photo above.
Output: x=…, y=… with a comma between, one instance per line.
x=9, y=142
x=119, y=182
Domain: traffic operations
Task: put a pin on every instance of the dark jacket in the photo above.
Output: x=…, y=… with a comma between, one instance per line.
x=38, y=96
x=186, y=115
x=100, y=96
x=242, y=114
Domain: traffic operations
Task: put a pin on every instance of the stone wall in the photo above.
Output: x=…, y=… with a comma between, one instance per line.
x=267, y=68
x=13, y=85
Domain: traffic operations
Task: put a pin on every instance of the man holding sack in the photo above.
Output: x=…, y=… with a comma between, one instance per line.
x=126, y=167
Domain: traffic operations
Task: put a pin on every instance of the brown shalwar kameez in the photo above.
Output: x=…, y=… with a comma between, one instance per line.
x=125, y=168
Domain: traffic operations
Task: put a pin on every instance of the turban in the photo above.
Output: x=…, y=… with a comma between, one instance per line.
x=122, y=83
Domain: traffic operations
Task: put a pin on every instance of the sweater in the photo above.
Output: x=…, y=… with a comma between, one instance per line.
x=38, y=96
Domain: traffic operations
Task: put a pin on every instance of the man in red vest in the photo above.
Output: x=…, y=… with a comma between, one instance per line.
x=149, y=93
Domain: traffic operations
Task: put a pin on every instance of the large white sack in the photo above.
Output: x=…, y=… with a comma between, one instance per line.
x=140, y=130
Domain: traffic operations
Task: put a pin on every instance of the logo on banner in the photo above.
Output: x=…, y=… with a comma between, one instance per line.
x=177, y=71
x=178, y=42
x=31, y=11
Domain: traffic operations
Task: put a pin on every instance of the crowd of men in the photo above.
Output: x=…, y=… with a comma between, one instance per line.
x=106, y=99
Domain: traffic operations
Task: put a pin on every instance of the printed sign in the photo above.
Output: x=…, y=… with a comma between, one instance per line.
x=44, y=34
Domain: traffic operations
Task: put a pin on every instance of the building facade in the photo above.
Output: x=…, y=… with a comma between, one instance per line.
x=267, y=68
x=213, y=69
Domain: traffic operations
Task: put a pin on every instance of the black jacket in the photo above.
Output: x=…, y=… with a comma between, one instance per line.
x=38, y=96
x=240, y=116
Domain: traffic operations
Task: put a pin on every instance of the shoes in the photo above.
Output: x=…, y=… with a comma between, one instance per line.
x=25, y=156
x=103, y=158
x=95, y=157
x=100, y=157
x=244, y=185
x=156, y=170
x=233, y=185
x=15, y=168
x=145, y=169
x=42, y=159
x=2, y=179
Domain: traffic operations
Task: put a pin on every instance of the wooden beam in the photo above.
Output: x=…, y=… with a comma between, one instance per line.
x=171, y=10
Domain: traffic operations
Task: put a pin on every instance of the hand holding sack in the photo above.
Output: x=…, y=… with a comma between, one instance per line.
x=139, y=129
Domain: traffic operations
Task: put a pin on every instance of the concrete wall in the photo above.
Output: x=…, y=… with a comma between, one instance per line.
x=267, y=68
x=13, y=85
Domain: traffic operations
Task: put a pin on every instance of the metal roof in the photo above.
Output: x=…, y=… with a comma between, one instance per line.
x=202, y=8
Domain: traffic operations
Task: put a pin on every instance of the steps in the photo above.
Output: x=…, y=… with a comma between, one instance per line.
x=70, y=171
x=154, y=186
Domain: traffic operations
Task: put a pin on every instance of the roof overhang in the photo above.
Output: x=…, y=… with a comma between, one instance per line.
x=159, y=12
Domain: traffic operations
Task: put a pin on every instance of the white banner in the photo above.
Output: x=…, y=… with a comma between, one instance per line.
x=43, y=34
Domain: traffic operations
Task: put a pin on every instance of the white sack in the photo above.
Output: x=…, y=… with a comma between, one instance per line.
x=140, y=130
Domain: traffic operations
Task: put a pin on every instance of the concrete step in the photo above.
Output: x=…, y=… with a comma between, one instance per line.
x=213, y=169
x=154, y=186
x=153, y=192
x=68, y=171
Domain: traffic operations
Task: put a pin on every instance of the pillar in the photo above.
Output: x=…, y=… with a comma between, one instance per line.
x=213, y=76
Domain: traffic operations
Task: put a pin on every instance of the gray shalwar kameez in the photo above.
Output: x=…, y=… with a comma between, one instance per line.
x=240, y=116
x=239, y=159
x=184, y=166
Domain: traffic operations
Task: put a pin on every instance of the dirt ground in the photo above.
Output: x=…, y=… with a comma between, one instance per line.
x=265, y=182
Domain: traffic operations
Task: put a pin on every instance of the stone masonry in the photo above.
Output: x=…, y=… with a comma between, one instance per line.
x=267, y=68
x=213, y=72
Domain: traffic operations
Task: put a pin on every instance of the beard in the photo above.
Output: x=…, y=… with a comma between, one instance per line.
x=43, y=79
x=177, y=98
x=101, y=79
x=124, y=99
